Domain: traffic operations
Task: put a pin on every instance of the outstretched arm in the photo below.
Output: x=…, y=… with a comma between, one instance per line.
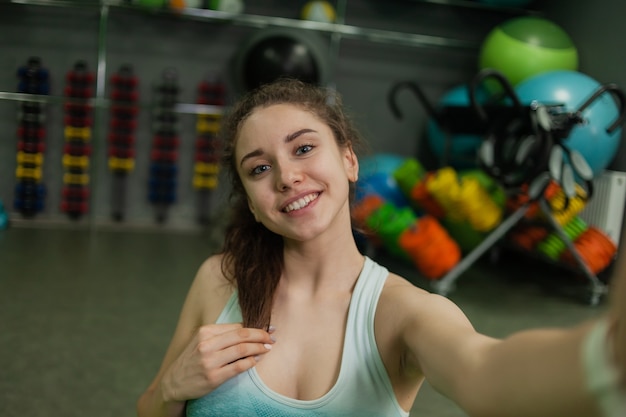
x=533, y=373
x=618, y=317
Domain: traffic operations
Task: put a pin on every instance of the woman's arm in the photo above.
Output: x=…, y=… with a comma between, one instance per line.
x=605, y=351
x=201, y=357
x=618, y=317
x=534, y=373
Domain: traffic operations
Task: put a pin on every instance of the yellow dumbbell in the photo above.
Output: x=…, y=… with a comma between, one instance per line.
x=201, y=181
x=121, y=164
x=210, y=117
x=28, y=173
x=205, y=126
x=70, y=161
x=206, y=168
x=76, y=179
x=72, y=132
x=30, y=158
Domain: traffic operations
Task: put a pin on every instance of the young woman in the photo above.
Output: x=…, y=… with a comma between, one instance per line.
x=290, y=319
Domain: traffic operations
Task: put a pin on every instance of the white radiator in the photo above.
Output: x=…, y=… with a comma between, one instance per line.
x=605, y=209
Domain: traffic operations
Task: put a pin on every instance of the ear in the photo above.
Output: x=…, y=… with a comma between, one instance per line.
x=351, y=163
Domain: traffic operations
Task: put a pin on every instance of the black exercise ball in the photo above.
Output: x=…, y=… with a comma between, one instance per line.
x=276, y=57
x=280, y=52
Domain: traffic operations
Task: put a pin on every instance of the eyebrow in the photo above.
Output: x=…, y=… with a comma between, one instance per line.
x=290, y=137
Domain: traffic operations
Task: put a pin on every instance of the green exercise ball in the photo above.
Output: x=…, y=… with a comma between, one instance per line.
x=526, y=46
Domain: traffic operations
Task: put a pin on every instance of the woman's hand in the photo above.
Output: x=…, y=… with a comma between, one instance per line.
x=216, y=353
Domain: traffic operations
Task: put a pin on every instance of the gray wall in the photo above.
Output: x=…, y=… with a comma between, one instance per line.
x=363, y=72
x=598, y=30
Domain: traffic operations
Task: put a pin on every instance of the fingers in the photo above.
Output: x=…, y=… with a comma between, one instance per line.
x=232, y=347
x=237, y=344
x=220, y=337
x=246, y=358
x=216, y=353
x=210, y=330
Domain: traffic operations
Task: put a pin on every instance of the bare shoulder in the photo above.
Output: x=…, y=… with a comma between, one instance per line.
x=403, y=301
x=206, y=297
x=399, y=291
x=210, y=290
x=404, y=311
x=210, y=273
x=416, y=321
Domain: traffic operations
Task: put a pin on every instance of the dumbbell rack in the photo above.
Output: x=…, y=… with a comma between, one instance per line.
x=597, y=288
x=524, y=144
x=78, y=133
x=162, y=183
x=207, y=150
x=121, y=139
x=30, y=191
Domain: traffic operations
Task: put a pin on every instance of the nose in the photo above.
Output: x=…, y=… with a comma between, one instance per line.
x=287, y=174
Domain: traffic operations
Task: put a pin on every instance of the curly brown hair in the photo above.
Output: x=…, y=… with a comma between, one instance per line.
x=253, y=255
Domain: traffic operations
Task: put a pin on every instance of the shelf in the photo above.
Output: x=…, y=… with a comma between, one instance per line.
x=346, y=31
x=259, y=22
x=183, y=108
x=59, y=3
x=473, y=4
x=336, y=30
x=104, y=15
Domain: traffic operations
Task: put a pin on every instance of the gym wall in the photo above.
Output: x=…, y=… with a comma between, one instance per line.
x=363, y=71
x=597, y=29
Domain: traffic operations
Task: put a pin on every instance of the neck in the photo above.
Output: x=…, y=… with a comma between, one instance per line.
x=317, y=267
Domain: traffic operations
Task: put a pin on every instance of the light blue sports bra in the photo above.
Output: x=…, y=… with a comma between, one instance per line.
x=363, y=388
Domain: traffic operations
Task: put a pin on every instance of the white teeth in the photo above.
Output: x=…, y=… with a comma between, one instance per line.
x=301, y=203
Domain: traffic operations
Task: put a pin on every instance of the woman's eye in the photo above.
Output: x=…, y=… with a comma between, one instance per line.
x=304, y=149
x=259, y=169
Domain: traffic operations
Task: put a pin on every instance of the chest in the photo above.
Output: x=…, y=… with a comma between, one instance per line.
x=306, y=359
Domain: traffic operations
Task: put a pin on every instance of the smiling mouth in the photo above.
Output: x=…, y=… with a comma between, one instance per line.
x=301, y=203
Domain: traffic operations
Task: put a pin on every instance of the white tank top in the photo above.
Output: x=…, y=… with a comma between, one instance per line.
x=362, y=389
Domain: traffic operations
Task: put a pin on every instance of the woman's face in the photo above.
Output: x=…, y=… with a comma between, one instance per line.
x=294, y=173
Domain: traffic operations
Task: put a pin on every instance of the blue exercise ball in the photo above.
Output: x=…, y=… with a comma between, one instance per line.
x=572, y=89
x=463, y=147
x=376, y=178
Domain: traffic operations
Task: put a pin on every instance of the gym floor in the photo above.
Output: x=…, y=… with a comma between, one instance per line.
x=86, y=314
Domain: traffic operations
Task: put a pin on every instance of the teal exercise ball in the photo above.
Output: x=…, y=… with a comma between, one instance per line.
x=463, y=147
x=572, y=89
x=526, y=46
x=376, y=178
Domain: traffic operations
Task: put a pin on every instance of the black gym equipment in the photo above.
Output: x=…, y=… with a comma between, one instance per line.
x=524, y=144
x=274, y=53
